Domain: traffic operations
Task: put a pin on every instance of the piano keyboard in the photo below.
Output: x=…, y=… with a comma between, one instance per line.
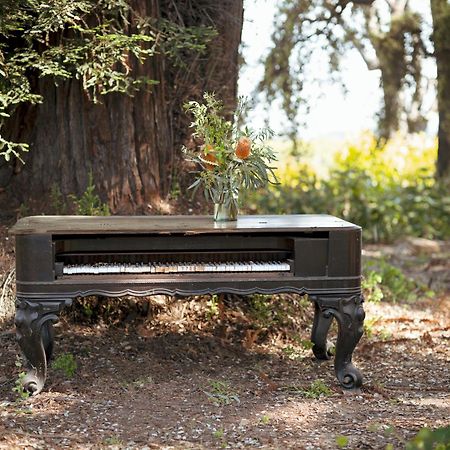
x=246, y=266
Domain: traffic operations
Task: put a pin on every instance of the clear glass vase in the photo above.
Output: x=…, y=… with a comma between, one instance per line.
x=225, y=213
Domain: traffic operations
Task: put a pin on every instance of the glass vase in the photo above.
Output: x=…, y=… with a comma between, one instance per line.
x=225, y=213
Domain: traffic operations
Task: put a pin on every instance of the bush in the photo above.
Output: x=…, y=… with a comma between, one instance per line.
x=389, y=190
x=382, y=280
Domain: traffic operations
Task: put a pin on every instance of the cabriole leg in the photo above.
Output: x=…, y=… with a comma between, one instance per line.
x=349, y=314
x=34, y=331
x=319, y=333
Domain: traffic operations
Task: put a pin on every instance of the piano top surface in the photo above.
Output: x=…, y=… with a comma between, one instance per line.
x=176, y=224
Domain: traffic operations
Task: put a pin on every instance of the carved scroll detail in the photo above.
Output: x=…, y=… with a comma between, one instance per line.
x=34, y=333
x=349, y=314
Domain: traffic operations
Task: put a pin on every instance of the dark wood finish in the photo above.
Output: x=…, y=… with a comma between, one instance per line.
x=322, y=252
x=184, y=225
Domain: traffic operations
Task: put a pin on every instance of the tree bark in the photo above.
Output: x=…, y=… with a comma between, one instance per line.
x=440, y=10
x=130, y=144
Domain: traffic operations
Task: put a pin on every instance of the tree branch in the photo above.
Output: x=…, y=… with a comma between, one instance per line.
x=371, y=63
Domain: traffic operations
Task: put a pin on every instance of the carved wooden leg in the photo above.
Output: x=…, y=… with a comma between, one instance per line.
x=349, y=315
x=48, y=336
x=319, y=333
x=34, y=330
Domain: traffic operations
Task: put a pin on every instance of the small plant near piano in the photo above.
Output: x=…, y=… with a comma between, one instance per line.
x=89, y=204
x=22, y=394
x=23, y=211
x=58, y=203
x=292, y=353
x=220, y=393
x=371, y=286
x=114, y=441
x=306, y=344
x=382, y=280
x=264, y=420
x=213, y=306
x=342, y=441
x=265, y=312
x=299, y=351
x=65, y=363
x=317, y=389
x=231, y=159
x=219, y=434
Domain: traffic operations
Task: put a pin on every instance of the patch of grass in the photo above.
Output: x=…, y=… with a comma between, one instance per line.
x=425, y=439
x=261, y=309
x=219, y=434
x=307, y=344
x=221, y=394
x=317, y=389
x=265, y=419
x=24, y=210
x=342, y=441
x=369, y=329
x=113, y=440
x=65, y=363
x=292, y=353
x=22, y=394
x=142, y=382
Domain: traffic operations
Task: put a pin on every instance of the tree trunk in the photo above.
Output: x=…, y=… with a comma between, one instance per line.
x=130, y=144
x=440, y=10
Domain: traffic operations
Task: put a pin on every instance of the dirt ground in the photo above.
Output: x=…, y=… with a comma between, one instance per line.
x=196, y=373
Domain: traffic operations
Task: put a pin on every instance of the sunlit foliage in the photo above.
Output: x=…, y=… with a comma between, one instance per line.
x=390, y=191
x=90, y=40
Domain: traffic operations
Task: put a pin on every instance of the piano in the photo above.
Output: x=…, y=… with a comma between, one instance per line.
x=60, y=258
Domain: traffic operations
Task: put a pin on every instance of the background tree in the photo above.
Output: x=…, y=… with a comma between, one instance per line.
x=440, y=10
x=388, y=36
x=69, y=54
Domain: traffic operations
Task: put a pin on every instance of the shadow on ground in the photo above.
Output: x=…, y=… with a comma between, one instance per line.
x=193, y=390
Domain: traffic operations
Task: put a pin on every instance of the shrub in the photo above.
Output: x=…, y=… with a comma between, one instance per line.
x=389, y=190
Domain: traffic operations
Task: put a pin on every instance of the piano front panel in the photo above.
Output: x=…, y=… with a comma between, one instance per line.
x=310, y=256
x=150, y=255
x=171, y=242
x=177, y=263
x=35, y=257
x=344, y=253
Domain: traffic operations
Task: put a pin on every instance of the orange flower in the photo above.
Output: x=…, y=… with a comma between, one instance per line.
x=209, y=156
x=243, y=148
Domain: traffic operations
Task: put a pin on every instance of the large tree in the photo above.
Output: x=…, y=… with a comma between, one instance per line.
x=387, y=34
x=111, y=76
x=441, y=36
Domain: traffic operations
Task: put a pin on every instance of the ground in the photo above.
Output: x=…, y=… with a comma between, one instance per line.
x=208, y=373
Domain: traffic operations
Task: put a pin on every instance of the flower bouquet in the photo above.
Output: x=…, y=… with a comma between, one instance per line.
x=230, y=159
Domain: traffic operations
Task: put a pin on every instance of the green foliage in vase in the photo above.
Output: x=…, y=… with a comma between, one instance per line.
x=231, y=159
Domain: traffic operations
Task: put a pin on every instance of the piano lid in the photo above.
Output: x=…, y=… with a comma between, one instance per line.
x=188, y=225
